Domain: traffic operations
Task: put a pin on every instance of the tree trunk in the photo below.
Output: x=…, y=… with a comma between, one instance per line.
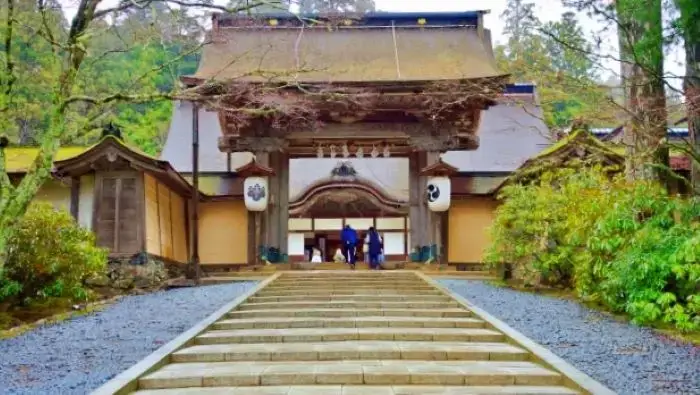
x=641, y=49
x=692, y=95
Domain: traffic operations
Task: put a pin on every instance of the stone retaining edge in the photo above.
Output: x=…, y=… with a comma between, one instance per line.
x=577, y=379
x=127, y=381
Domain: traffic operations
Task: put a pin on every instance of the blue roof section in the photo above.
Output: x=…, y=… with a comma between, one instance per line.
x=380, y=18
x=520, y=89
x=672, y=132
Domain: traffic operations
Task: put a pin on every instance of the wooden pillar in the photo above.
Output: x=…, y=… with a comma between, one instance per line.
x=414, y=201
x=283, y=199
x=263, y=158
x=74, y=197
x=273, y=232
x=430, y=221
x=194, y=220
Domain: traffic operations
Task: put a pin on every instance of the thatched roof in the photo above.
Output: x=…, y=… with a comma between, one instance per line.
x=580, y=147
x=257, y=52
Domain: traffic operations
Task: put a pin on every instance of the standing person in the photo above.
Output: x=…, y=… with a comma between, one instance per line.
x=349, y=239
x=374, y=240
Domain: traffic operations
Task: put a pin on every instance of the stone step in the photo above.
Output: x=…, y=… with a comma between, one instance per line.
x=347, y=284
x=209, y=374
x=355, y=304
x=350, y=287
x=350, y=292
x=348, y=322
x=363, y=297
x=334, y=313
x=349, y=272
x=227, y=279
x=413, y=280
x=298, y=335
x=367, y=390
x=351, y=350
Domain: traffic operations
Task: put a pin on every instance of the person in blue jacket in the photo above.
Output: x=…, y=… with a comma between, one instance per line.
x=348, y=237
x=374, y=240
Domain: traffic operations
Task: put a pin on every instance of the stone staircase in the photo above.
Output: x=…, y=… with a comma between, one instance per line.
x=352, y=333
x=434, y=270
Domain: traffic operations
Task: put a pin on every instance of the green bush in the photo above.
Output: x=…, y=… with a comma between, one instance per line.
x=49, y=255
x=626, y=245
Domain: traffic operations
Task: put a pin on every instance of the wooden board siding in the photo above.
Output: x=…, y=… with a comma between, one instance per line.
x=469, y=222
x=179, y=228
x=166, y=234
x=118, y=212
x=223, y=233
x=152, y=221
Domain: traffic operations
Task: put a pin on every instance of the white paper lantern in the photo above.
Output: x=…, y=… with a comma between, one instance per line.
x=256, y=193
x=439, y=191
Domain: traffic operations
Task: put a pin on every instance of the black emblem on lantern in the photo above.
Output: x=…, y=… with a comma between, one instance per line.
x=433, y=192
x=256, y=192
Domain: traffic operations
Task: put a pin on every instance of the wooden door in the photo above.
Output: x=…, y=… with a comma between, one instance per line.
x=118, y=215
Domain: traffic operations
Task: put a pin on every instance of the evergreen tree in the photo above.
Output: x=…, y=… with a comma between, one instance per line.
x=568, y=47
x=520, y=25
x=334, y=6
x=688, y=24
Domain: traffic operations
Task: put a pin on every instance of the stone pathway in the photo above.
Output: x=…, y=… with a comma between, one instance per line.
x=352, y=333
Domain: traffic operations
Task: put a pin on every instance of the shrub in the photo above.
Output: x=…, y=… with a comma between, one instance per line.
x=629, y=246
x=49, y=255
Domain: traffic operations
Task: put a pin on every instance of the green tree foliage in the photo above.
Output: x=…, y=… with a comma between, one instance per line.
x=134, y=54
x=568, y=48
x=548, y=55
x=520, y=24
x=78, y=75
x=49, y=255
x=627, y=245
x=331, y=6
x=271, y=6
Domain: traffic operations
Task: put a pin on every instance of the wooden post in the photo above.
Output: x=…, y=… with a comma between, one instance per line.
x=194, y=257
x=414, y=212
x=258, y=256
x=283, y=199
x=75, y=197
x=430, y=220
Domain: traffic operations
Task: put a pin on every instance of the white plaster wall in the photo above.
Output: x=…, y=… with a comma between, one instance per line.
x=390, y=174
x=55, y=193
x=87, y=201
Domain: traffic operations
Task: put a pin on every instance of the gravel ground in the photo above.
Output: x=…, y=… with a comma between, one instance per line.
x=79, y=355
x=627, y=358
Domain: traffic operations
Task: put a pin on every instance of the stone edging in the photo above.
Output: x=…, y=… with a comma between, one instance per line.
x=575, y=378
x=127, y=381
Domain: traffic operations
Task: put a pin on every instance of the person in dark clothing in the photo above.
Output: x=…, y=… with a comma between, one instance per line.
x=348, y=238
x=374, y=241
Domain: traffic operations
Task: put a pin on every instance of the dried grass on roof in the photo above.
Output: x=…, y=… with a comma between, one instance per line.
x=19, y=159
x=347, y=55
